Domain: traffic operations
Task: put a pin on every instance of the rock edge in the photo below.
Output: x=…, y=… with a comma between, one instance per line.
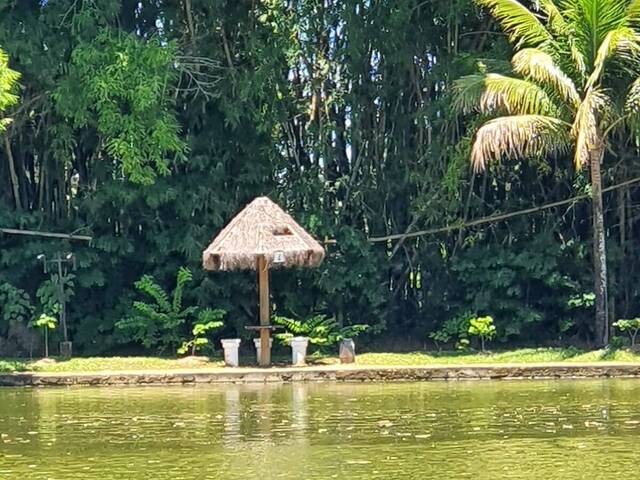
x=320, y=374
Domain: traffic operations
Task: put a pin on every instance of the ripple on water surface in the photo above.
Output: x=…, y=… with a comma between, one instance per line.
x=483, y=430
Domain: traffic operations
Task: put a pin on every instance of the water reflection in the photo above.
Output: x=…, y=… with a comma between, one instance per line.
x=492, y=430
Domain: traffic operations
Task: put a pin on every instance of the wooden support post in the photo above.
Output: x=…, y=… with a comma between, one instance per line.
x=265, y=333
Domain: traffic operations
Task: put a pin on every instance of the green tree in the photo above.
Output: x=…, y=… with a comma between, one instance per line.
x=572, y=60
x=632, y=327
x=120, y=87
x=45, y=323
x=483, y=328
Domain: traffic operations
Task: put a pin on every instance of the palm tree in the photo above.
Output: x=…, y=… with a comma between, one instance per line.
x=573, y=60
x=8, y=80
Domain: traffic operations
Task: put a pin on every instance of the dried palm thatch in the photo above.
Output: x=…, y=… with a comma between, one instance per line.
x=262, y=228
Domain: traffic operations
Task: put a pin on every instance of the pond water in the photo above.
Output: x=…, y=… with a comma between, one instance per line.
x=482, y=430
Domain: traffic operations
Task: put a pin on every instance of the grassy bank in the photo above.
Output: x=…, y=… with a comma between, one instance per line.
x=523, y=356
x=98, y=364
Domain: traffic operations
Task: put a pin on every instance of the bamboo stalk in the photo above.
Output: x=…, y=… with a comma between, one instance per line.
x=15, y=183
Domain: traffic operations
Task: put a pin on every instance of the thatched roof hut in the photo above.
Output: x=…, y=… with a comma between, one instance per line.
x=262, y=229
x=260, y=237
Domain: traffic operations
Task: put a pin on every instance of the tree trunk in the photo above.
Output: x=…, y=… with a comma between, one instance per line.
x=15, y=183
x=599, y=250
x=265, y=333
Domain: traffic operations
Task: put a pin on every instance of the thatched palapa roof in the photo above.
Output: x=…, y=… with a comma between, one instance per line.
x=262, y=228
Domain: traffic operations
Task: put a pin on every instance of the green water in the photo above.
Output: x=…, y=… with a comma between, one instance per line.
x=482, y=430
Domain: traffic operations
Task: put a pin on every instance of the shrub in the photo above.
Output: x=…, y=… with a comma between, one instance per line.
x=161, y=324
x=321, y=330
x=453, y=329
x=208, y=320
x=483, y=328
x=631, y=327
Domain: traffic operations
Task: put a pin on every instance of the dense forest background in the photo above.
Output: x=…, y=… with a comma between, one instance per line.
x=149, y=124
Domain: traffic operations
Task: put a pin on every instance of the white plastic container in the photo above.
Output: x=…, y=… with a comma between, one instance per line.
x=299, y=350
x=230, y=347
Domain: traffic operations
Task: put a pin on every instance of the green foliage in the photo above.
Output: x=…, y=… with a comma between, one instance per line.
x=343, y=115
x=121, y=86
x=49, y=292
x=8, y=81
x=162, y=324
x=16, y=311
x=45, y=321
x=533, y=287
x=12, y=366
x=463, y=345
x=452, y=329
x=321, y=330
x=631, y=327
x=208, y=320
x=583, y=300
x=483, y=328
x=15, y=306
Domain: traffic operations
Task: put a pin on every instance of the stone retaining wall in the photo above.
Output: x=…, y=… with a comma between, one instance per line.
x=319, y=374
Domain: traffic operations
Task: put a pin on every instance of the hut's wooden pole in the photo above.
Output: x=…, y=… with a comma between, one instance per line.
x=265, y=333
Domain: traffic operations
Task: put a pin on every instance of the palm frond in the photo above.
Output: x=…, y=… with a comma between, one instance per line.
x=8, y=79
x=519, y=23
x=632, y=102
x=631, y=119
x=622, y=42
x=572, y=34
x=519, y=136
x=555, y=20
x=633, y=14
x=540, y=67
x=586, y=127
x=493, y=93
x=592, y=21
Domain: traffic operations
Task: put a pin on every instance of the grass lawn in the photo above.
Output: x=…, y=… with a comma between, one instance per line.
x=525, y=355
x=97, y=364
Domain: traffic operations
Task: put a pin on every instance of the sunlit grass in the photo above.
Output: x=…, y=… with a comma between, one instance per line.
x=521, y=356
x=102, y=364
x=10, y=366
x=525, y=355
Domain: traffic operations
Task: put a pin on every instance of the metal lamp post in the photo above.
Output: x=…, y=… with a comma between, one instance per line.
x=61, y=264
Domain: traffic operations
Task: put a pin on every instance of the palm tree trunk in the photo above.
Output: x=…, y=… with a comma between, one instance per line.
x=599, y=250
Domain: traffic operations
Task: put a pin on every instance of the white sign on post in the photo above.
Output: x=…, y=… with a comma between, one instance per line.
x=278, y=257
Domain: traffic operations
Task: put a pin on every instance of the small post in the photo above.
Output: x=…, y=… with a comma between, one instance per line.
x=347, y=351
x=265, y=333
x=230, y=347
x=299, y=350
